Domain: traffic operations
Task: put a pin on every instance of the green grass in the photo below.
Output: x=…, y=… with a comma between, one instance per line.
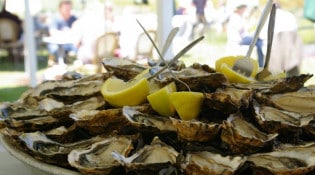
x=10, y=94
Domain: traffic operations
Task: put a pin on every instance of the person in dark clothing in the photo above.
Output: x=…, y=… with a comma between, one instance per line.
x=200, y=6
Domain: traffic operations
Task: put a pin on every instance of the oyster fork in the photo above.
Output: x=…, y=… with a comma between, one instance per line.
x=265, y=72
x=244, y=65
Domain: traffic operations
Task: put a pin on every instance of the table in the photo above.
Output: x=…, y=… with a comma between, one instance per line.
x=11, y=166
x=59, y=40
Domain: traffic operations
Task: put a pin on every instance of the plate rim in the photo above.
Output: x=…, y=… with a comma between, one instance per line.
x=32, y=162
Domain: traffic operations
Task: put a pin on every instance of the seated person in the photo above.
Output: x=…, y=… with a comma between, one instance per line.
x=237, y=33
x=61, y=26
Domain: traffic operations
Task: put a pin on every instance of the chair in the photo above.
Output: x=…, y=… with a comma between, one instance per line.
x=10, y=29
x=105, y=47
x=144, y=47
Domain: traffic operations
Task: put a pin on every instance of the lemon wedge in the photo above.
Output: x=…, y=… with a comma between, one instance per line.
x=160, y=101
x=119, y=93
x=230, y=60
x=187, y=104
x=233, y=76
x=275, y=76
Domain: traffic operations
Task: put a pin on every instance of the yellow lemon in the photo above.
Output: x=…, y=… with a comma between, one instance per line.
x=233, y=76
x=154, y=85
x=230, y=60
x=187, y=104
x=119, y=93
x=275, y=76
x=160, y=102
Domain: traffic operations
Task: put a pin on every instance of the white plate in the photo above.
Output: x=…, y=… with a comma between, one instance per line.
x=36, y=166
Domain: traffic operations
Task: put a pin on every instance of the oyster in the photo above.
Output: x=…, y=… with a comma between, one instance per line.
x=196, y=130
x=288, y=84
x=273, y=120
x=151, y=158
x=294, y=160
x=31, y=97
x=98, y=158
x=228, y=100
x=122, y=68
x=302, y=101
x=243, y=137
x=100, y=121
x=205, y=163
x=50, y=151
x=197, y=79
x=144, y=121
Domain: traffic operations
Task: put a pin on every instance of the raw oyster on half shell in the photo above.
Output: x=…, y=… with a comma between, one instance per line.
x=206, y=163
x=151, y=158
x=98, y=159
x=243, y=137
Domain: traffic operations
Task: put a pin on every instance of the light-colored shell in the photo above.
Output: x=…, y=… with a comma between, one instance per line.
x=154, y=157
x=196, y=130
x=293, y=160
x=243, y=137
x=98, y=158
x=206, y=163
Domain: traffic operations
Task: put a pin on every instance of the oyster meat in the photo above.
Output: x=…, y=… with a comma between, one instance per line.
x=294, y=160
x=243, y=137
x=151, y=158
x=98, y=158
x=205, y=163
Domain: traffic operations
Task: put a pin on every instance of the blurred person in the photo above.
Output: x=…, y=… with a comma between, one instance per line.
x=238, y=32
x=89, y=27
x=287, y=48
x=200, y=6
x=61, y=25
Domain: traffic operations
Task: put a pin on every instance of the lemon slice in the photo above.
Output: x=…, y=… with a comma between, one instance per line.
x=119, y=93
x=187, y=104
x=275, y=76
x=160, y=101
x=230, y=60
x=233, y=76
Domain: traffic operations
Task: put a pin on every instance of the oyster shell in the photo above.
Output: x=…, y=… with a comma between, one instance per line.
x=282, y=85
x=205, y=163
x=51, y=151
x=302, y=101
x=122, y=68
x=151, y=158
x=294, y=160
x=30, y=98
x=98, y=158
x=197, y=79
x=228, y=100
x=273, y=120
x=243, y=137
x=144, y=121
x=100, y=121
x=196, y=130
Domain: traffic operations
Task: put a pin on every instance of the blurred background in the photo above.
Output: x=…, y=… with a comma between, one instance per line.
x=96, y=19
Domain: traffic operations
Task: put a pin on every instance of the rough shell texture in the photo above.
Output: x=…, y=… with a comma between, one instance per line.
x=243, y=137
x=152, y=157
x=205, y=163
x=98, y=158
x=293, y=160
x=196, y=130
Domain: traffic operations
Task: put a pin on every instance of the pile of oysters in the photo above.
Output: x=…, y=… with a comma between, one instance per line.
x=257, y=128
